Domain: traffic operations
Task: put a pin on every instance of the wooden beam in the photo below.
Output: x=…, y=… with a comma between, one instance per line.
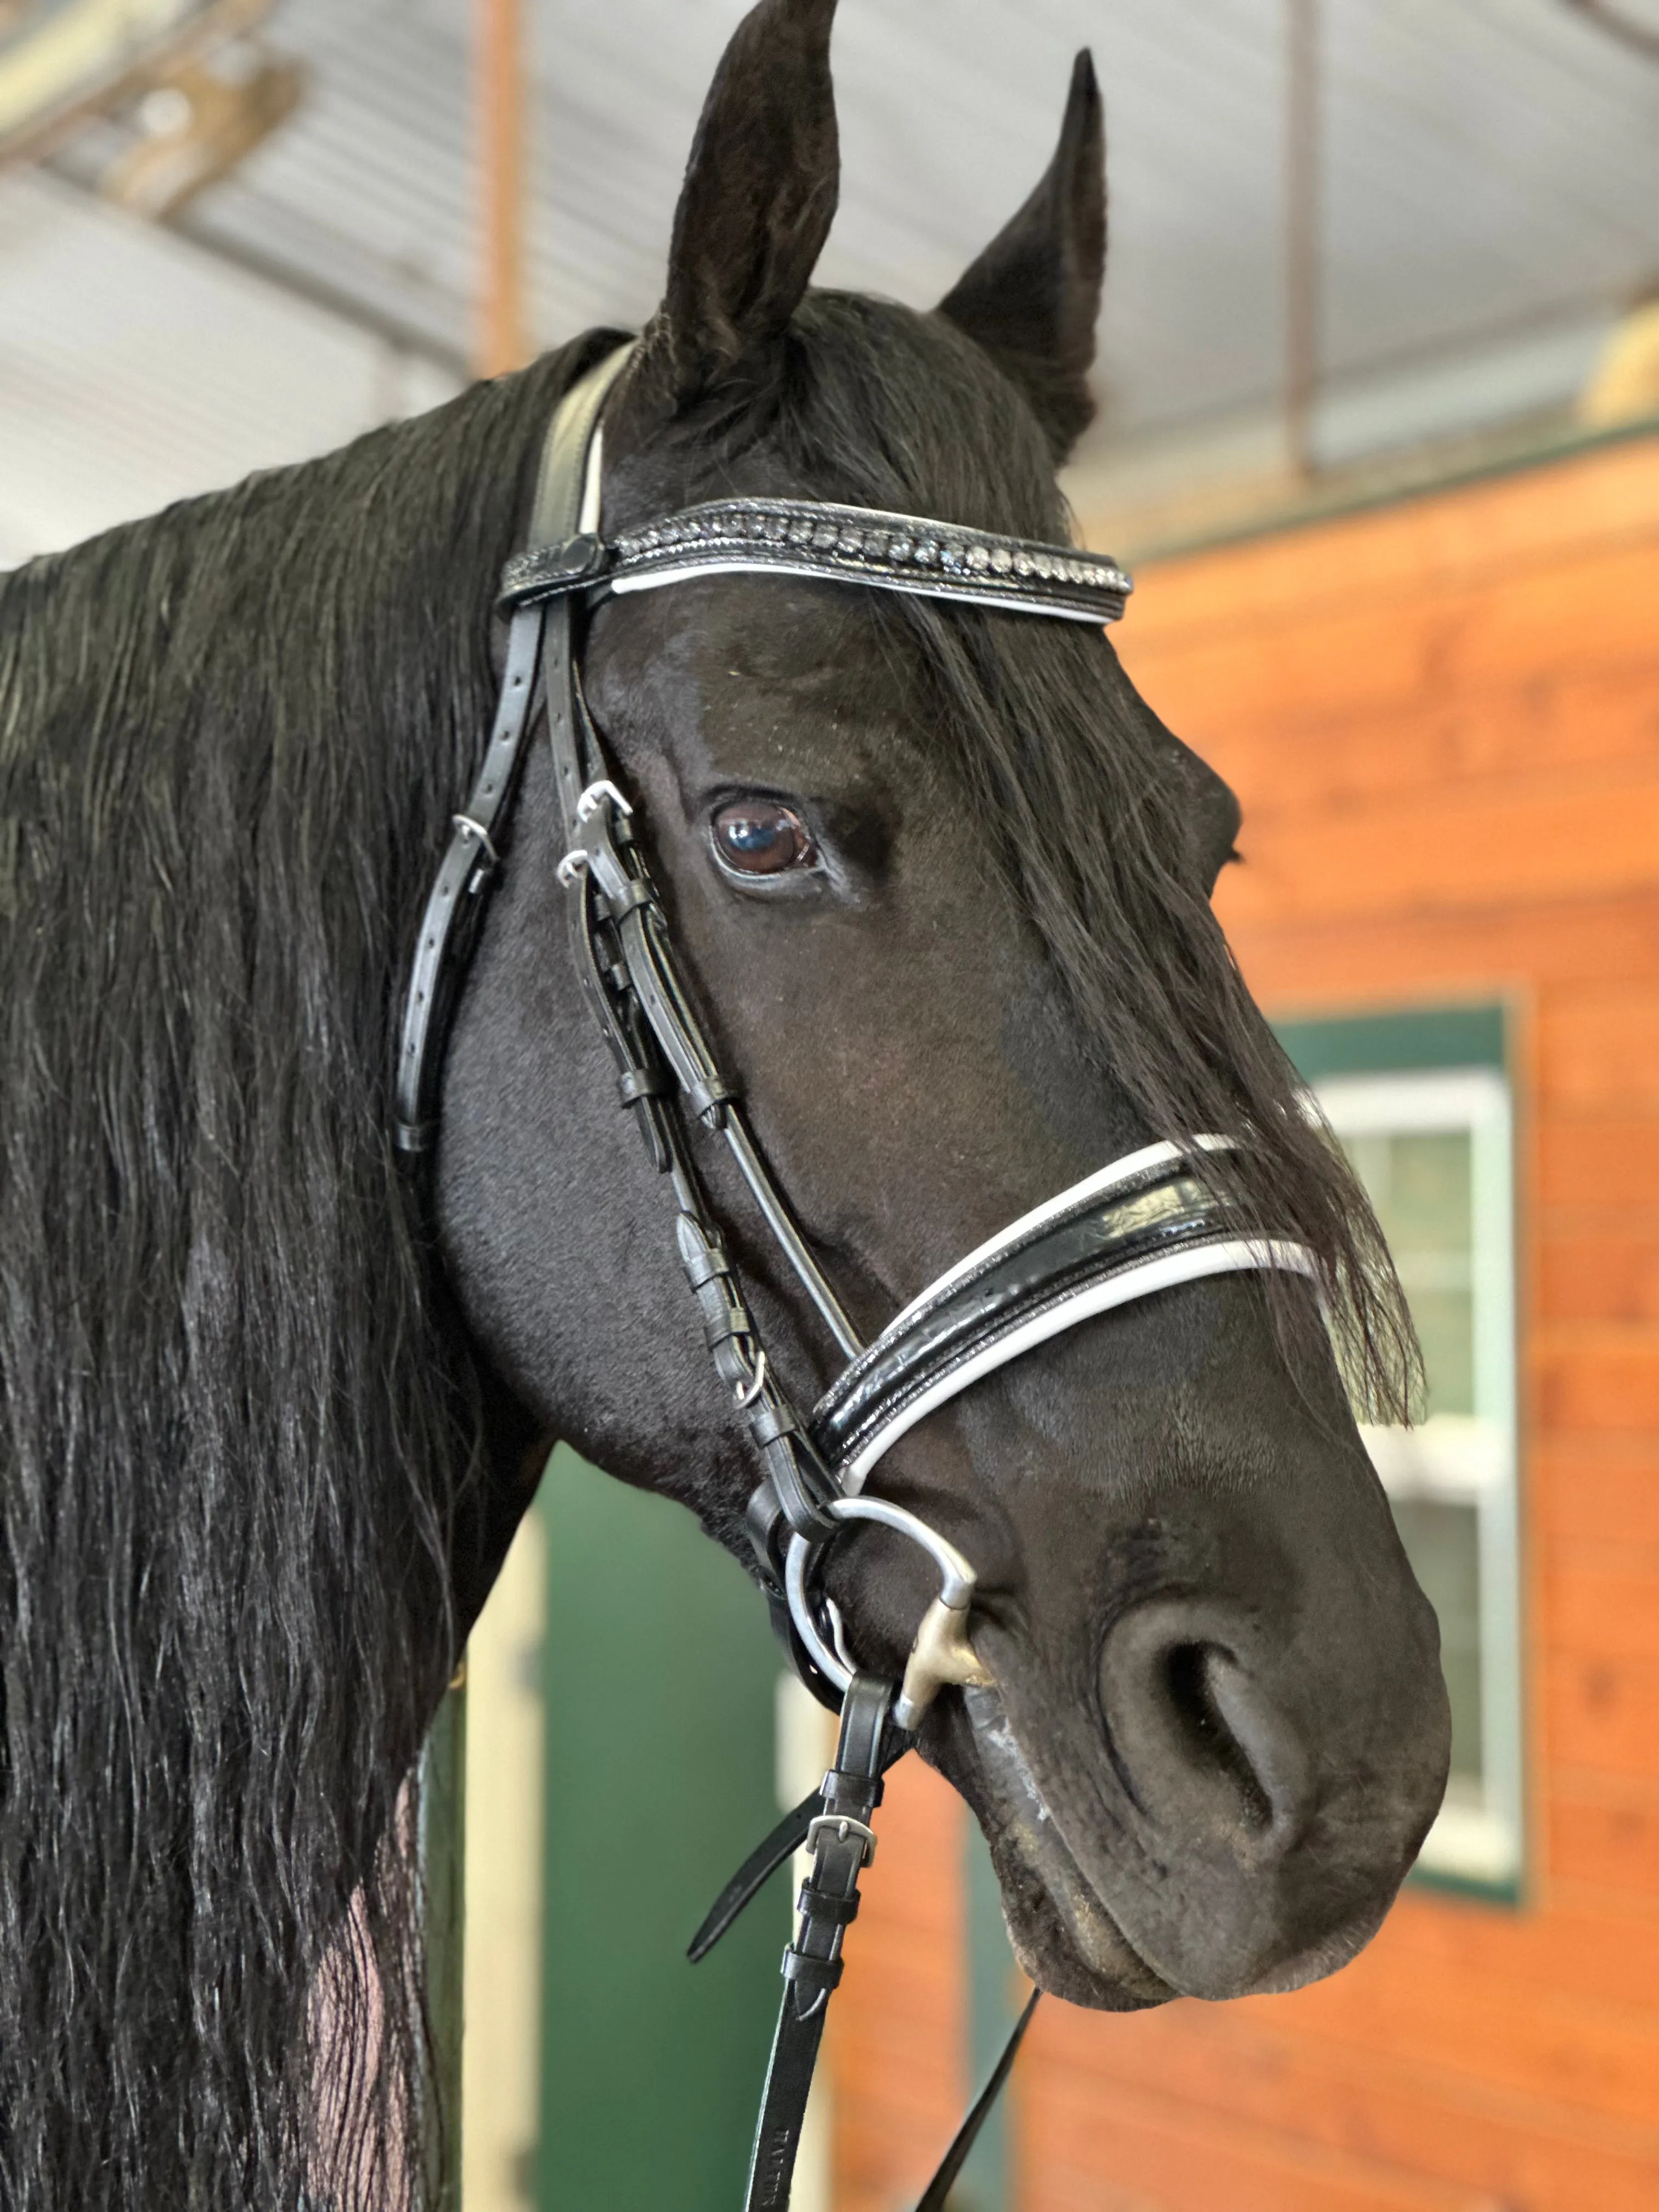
x=500, y=342
x=1303, y=165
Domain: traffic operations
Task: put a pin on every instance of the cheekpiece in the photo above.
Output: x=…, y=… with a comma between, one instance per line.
x=843, y=545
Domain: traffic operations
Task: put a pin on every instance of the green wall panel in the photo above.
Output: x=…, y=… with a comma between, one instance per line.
x=660, y=1674
x=986, y=2183
x=1384, y=1044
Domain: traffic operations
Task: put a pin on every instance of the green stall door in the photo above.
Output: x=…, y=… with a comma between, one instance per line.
x=660, y=1676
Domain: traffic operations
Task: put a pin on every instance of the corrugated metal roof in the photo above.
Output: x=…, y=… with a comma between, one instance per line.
x=135, y=371
x=1485, y=162
x=1490, y=168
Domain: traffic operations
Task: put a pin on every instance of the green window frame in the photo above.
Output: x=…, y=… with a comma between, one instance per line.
x=1422, y=1103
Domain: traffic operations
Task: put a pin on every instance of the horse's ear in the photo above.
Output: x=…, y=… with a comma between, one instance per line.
x=1032, y=297
x=756, y=207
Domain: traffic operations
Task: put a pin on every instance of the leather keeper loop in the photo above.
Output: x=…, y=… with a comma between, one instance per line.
x=843, y=1910
x=771, y=1421
x=763, y=1518
x=708, y=1101
x=818, y=1976
x=723, y=1320
x=637, y=1083
x=732, y=1320
x=799, y=1508
x=854, y=1795
x=716, y=1291
x=614, y=904
x=702, y=1256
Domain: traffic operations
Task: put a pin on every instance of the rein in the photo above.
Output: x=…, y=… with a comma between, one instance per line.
x=1145, y=1224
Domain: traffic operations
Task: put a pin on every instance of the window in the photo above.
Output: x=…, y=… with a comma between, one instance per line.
x=1432, y=1142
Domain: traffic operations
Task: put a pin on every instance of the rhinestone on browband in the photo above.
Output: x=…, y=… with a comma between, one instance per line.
x=853, y=544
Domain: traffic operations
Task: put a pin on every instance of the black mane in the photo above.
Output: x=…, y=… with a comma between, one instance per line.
x=236, y=1434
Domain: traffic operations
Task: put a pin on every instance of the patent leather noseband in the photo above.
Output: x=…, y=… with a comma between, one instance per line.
x=1142, y=1225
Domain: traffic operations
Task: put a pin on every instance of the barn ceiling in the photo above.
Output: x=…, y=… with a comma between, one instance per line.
x=1491, y=178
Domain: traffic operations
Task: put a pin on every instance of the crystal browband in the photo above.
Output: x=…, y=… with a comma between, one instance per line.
x=849, y=545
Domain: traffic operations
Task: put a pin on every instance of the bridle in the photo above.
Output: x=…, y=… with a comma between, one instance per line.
x=1145, y=1224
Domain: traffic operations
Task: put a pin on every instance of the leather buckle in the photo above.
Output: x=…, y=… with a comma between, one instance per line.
x=842, y=1825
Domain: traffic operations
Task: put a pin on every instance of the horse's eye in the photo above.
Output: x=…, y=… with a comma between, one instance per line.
x=761, y=837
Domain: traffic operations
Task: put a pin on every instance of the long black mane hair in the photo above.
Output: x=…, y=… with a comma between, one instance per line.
x=235, y=1433
x=237, y=1430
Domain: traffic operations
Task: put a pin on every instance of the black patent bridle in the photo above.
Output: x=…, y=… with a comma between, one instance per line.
x=1144, y=1224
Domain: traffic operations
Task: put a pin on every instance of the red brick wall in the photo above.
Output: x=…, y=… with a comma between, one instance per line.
x=896, y=2032
x=1442, y=718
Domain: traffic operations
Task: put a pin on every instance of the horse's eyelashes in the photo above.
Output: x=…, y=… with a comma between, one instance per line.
x=760, y=838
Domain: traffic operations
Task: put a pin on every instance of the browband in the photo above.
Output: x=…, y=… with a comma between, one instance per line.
x=840, y=545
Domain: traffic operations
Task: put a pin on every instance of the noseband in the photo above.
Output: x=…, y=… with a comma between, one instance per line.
x=1145, y=1224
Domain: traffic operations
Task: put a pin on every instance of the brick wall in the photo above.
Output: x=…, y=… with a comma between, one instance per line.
x=896, y=2031
x=1442, y=718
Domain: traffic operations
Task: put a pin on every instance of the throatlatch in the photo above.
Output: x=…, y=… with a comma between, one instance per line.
x=1145, y=1224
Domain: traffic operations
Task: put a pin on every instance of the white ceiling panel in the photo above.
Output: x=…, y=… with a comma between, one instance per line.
x=134, y=370
x=1490, y=168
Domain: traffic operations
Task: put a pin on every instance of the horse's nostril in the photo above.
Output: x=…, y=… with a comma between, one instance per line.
x=1191, y=1673
x=1195, y=1732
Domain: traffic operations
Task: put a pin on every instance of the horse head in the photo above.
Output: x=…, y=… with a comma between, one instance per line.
x=938, y=882
x=941, y=879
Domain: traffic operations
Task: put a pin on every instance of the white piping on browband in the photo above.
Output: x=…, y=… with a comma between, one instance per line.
x=1166, y=1272
x=923, y=588
x=1091, y=1187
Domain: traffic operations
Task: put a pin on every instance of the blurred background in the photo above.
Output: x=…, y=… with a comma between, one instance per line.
x=232, y=231
x=1379, y=427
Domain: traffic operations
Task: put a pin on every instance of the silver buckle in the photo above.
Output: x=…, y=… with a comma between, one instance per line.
x=843, y=1825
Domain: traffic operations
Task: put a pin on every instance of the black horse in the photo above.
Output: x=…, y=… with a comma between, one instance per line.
x=268, y=1426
